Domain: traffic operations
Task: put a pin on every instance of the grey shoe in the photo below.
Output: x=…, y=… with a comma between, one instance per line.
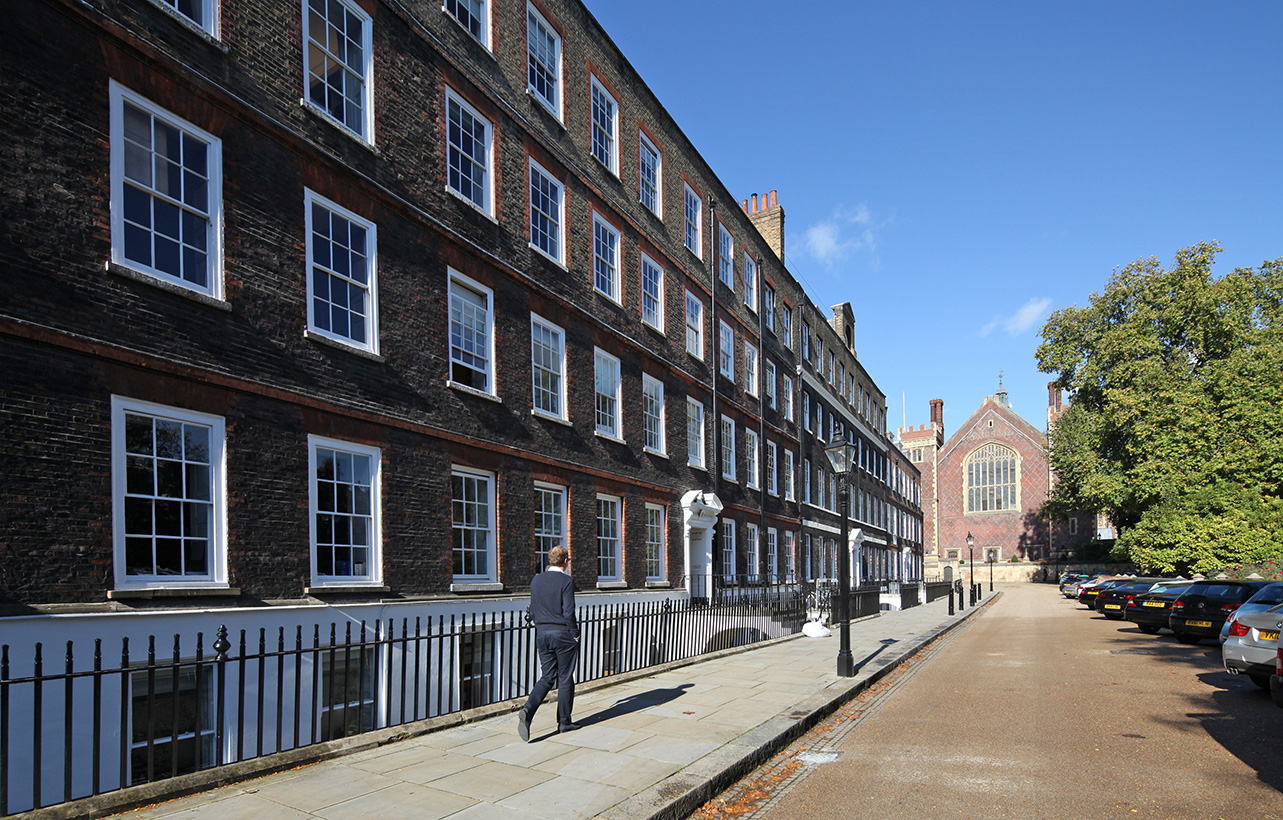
x=523, y=726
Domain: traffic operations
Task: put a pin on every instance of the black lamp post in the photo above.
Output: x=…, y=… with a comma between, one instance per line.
x=971, y=550
x=842, y=456
x=992, y=561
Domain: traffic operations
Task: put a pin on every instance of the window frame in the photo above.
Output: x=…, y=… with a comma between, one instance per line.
x=611, y=146
x=790, y=474
x=491, y=528
x=558, y=220
x=768, y=306
x=483, y=20
x=455, y=278
x=311, y=201
x=616, y=294
x=537, y=321
x=615, y=432
x=645, y=143
x=752, y=455
x=366, y=134
x=209, y=11
x=216, y=575
x=697, y=329
x=752, y=380
x=729, y=551
x=787, y=393
x=657, y=296
x=772, y=555
x=692, y=231
x=118, y=97
x=656, y=548
x=786, y=322
x=617, y=520
x=374, y=577
x=702, y=462
x=750, y=282
x=725, y=349
x=660, y=447
x=728, y=448
x=771, y=468
x=752, y=552
x=487, y=185
x=540, y=534
x=554, y=106
x=725, y=256
x=770, y=385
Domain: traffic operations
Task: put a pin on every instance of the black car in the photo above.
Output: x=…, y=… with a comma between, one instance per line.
x=1202, y=610
x=1151, y=611
x=1112, y=602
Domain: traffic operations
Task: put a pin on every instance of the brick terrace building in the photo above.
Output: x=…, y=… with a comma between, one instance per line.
x=990, y=480
x=356, y=305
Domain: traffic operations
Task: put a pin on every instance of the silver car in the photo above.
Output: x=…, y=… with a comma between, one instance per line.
x=1264, y=598
x=1253, y=645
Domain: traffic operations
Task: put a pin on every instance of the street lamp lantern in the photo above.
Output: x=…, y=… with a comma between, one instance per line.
x=842, y=455
x=971, y=550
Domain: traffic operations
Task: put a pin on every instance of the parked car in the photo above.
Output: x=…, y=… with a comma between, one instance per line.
x=1151, y=611
x=1266, y=597
x=1252, y=647
x=1070, y=581
x=1088, y=592
x=1112, y=602
x=1203, y=608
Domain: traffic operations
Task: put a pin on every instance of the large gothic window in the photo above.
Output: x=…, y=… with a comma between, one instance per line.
x=991, y=479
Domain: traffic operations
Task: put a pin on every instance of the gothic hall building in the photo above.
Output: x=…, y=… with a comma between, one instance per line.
x=989, y=480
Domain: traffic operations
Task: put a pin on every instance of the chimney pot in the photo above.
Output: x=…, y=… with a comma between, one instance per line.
x=773, y=198
x=754, y=204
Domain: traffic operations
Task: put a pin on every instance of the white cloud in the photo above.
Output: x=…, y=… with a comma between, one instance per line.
x=847, y=231
x=1025, y=317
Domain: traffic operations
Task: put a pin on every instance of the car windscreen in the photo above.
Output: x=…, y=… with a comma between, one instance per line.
x=1216, y=590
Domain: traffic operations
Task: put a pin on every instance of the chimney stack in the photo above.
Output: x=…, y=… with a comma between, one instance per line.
x=768, y=217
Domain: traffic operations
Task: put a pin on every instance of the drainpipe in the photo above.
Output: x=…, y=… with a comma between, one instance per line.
x=716, y=371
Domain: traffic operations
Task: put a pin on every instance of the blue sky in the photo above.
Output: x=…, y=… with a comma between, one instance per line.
x=959, y=170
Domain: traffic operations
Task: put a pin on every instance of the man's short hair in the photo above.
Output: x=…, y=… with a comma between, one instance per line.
x=557, y=556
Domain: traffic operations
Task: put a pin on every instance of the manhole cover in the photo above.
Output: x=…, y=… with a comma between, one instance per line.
x=816, y=758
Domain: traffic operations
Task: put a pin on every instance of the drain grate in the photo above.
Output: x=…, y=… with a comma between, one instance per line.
x=1132, y=652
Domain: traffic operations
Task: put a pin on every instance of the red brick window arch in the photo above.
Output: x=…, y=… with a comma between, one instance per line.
x=992, y=479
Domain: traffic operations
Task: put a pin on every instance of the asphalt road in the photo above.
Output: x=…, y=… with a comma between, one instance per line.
x=1038, y=708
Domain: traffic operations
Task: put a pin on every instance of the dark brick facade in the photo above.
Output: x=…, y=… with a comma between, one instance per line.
x=76, y=330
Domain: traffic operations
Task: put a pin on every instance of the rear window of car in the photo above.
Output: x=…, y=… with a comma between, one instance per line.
x=1217, y=590
x=1272, y=594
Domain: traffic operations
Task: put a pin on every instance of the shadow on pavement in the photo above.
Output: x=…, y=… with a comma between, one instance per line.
x=637, y=702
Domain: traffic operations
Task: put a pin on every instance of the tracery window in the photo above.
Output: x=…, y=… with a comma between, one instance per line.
x=992, y=479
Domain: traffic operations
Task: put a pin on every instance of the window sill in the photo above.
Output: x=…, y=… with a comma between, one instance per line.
x=542, y=105
x=539, y=414
x=655, y=453
x=609, y=437
x=548, y=256
x=471, y=36
x=612, y=585
x=171, y=287
x=469, y=587
x=312, y=335
x=474, y=206
x=607, y=297
x=207, y=36
x=172, y=592
x=472, y=391
x=345, y=589
x=325, y=116
x=659, y=585
x=695, y=466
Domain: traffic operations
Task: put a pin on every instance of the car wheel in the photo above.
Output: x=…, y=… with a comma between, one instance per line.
x=1148, y=629
x=1262, y=681
x=1185, y=637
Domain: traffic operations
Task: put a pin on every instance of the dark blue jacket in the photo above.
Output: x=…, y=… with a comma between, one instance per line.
x=552, y=601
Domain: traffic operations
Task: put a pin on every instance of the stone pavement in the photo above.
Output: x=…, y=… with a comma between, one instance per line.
x=657, y=746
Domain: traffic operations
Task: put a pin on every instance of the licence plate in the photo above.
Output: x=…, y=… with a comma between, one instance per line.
x=1269, y=635
x=1113, y=606
x=1158, y=604
x=1199, y=623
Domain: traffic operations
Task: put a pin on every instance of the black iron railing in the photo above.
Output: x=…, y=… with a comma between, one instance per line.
x=93, y=727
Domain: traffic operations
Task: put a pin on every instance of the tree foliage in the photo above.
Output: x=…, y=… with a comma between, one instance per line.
x=1174, y=427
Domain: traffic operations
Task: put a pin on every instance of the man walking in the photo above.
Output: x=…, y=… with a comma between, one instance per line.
x=552, y=608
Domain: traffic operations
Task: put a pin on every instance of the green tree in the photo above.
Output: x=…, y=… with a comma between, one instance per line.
x=1174, y=427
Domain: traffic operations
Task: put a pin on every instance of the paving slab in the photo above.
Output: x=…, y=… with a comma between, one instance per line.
x=651, y=747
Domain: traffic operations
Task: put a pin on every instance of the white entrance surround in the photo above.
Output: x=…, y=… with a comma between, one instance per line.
x=855, y=540
x=700, y=511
